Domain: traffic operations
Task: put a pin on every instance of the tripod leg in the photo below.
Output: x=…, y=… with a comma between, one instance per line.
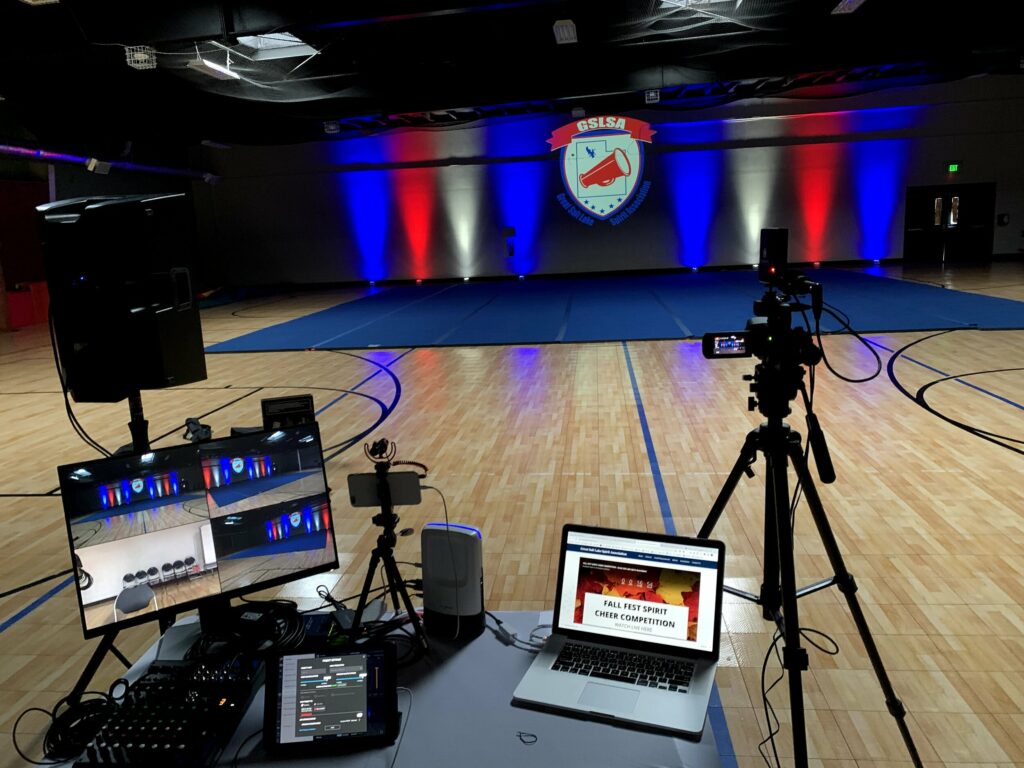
x=367, y=584
x=105, y=645
x=397, y=585
x=747, y=455
x=845, y=581
x=794, y=658
x=771, y=598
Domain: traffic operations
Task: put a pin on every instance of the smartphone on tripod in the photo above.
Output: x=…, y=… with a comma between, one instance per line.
x=404, y=486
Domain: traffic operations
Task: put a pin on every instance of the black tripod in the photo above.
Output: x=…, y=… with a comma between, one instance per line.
x=777, y=381
x=385, y=549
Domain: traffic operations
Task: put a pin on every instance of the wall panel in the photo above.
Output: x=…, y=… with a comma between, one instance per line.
x=440, y=203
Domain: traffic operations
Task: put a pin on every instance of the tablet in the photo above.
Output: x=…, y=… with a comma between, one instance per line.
x=330, y=703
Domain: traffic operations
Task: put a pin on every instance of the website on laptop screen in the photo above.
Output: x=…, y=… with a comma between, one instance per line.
x=654, y=591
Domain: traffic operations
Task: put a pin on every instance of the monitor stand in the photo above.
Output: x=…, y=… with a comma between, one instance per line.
x=106, y=645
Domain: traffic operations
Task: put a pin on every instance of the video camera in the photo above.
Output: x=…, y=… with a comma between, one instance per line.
x=769, y=332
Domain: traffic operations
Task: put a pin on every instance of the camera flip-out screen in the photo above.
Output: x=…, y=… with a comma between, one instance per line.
x=725, y=345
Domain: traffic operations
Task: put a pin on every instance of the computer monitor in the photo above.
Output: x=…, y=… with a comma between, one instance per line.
x=179, y=528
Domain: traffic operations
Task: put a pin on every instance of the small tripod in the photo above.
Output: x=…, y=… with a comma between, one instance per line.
x=777, y=381
x=382, y=454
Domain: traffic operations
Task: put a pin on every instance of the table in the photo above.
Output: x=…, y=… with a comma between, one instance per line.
x=461, y=715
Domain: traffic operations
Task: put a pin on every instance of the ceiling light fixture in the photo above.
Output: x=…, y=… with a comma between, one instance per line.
x=692, y=3
x=140, y=56
x=213, y=69
x=565, y=32
x=847, y=6
x=279, y=45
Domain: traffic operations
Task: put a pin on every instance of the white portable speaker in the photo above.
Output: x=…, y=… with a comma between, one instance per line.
x=453, y=581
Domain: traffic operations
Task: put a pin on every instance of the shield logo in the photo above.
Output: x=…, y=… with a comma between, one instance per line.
x=602, y=161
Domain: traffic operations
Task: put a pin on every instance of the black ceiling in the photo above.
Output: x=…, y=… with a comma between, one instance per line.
x=64, y=73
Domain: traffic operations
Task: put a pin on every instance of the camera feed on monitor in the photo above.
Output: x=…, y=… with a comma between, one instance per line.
x=268, y=505
x=140, y=533
x=153, y=531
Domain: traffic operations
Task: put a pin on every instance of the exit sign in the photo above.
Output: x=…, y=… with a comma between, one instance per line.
x=954, y=167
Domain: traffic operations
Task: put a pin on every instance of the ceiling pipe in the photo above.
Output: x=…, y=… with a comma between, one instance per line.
x=102, y=166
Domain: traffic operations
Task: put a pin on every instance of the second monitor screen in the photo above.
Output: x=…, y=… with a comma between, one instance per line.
x=268, y=505
x=195, y=521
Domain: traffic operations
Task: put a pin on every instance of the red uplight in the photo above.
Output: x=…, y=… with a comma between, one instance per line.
x=818, y=169
x=415, y=190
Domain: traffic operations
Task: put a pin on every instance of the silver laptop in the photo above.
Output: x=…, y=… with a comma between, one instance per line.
x=636, y=630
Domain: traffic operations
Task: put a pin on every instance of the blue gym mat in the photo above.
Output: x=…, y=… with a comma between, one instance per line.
x=230, y=494
x=301, y=543
x=620, y=308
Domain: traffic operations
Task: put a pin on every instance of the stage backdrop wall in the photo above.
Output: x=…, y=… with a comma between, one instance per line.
x=446, y=202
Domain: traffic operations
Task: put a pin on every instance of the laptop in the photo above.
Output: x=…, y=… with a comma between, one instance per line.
x=636, y=630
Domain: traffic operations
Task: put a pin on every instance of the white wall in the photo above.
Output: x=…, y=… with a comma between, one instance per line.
x=108, y=563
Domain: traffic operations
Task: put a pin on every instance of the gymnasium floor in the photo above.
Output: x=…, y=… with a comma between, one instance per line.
x=637, y=435
x=139, y=519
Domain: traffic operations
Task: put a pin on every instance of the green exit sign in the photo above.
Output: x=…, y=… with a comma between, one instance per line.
x=954, y=167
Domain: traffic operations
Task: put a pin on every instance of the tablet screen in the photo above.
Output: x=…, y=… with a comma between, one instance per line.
x=334, y=700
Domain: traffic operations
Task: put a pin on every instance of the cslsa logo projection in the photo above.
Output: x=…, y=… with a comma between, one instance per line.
x=602, y=167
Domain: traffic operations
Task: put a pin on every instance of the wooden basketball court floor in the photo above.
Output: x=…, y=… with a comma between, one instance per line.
x=523, y=439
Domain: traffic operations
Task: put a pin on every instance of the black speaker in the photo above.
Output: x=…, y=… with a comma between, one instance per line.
x=774, y=255
x=121, y=303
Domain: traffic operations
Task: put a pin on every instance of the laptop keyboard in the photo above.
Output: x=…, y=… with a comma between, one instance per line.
x=625, y=666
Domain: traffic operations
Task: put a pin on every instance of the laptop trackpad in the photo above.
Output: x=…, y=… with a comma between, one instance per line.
x=608, y=697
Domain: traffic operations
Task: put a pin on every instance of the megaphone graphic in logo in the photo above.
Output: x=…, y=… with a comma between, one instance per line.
x=615, y=166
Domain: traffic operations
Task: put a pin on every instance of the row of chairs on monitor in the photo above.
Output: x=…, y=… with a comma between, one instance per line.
x=179, y=569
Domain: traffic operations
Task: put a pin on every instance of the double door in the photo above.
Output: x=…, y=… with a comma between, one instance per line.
x=949, y=223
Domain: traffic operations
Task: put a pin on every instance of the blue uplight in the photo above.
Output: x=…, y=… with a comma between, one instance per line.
x=519, y=184
x=367, y=196
x=885, y=118
x=695, y=180
x=879, y=169
x=696, y=132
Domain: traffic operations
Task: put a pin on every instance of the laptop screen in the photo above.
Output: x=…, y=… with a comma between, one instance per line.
x=640, y=589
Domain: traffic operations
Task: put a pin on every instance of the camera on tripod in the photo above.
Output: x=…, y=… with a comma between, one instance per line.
x=769, y=332
x=778, y=378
